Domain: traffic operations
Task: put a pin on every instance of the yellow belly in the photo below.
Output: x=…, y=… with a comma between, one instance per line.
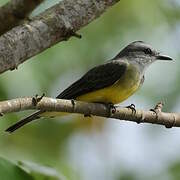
x=115, y=93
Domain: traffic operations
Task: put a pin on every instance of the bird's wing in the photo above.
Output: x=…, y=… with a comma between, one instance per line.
x=97, y=78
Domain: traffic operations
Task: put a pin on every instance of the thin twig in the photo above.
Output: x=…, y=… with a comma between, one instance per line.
x=61, y=105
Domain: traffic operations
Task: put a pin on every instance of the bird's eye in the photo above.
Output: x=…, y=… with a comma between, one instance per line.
x=148, y=51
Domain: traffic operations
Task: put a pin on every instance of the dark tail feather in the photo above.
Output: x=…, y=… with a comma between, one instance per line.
x=23, y=122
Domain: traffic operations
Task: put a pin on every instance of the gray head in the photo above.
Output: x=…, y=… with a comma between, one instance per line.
x=140, y=53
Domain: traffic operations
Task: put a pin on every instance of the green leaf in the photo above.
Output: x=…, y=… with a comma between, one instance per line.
x=40, y=172
x=9, y=171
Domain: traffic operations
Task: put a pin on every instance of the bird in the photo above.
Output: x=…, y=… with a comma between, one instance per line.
x=109, y=83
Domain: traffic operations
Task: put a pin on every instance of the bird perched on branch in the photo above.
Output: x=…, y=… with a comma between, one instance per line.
x=111, y=82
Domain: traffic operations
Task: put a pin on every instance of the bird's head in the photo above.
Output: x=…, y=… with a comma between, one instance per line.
x=140, y=53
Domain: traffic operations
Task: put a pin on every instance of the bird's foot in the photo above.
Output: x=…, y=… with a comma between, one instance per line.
x=37, y=99
x=111, y=108
x=132, y=107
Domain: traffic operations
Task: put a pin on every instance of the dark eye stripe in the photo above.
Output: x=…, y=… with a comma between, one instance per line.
x=147, y=51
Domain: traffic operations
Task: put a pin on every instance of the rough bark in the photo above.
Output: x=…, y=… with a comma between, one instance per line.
x=53, y=25
x=167, y=119
x=12, y=13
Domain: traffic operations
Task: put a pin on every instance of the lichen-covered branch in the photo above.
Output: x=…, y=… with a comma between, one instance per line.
x=56, y=24
x=12, y=13
x=50, y=104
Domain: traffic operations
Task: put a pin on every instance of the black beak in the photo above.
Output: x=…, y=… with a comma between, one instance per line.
x=163, y=57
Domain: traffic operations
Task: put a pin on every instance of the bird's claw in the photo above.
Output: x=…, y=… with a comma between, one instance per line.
x=132, y=107
x=112, y=108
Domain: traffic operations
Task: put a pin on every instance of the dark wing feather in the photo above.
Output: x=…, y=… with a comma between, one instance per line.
x=97, y=78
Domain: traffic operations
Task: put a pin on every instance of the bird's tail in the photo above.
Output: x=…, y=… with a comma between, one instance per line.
x=24, y=121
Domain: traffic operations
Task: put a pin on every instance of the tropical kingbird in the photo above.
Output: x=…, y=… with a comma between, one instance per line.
x=111, y=82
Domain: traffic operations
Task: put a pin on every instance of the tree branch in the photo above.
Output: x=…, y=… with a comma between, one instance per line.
x=167, y=119
x=12, y=13
x=56, y=24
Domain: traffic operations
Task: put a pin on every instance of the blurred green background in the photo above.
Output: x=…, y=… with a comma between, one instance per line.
x=101, y=149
